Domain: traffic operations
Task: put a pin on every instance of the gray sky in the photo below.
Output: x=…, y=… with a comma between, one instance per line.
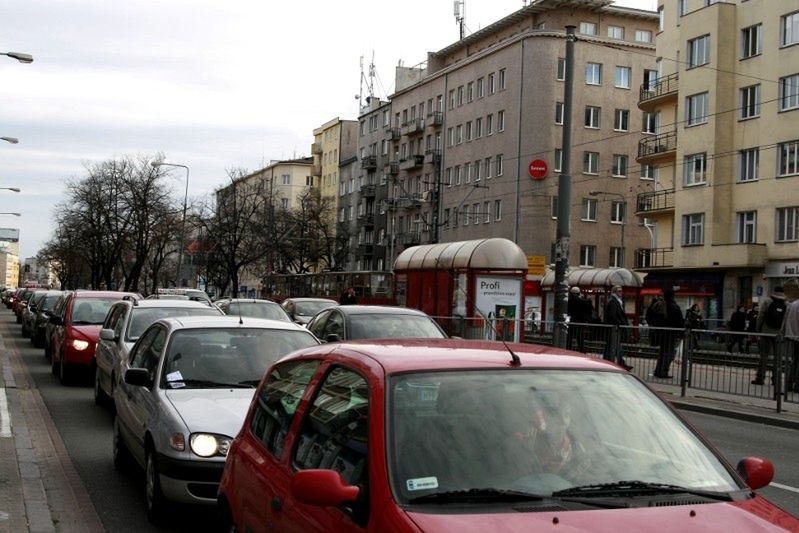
x=211, y=84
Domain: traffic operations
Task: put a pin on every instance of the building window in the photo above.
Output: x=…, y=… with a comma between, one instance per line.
x=650, y=122
x=489, y=124
x=501, y=120
x=460, y=96
x=693, y=229
x=476, y=167
x=466, y=215
x=498, y=165
x=457, y=172
x=286, y=179
x=487, y=165
x=284, y=203
x=480, y=87
x=588, y=210
x=623, y=77
x=486, y=212
x=696, y=109
x=491, y=88
x=592, y=116
x=620, y=163
x=621, y=120
x=478, y=128
x=695, y=169
x=448, y=176
x=615, y=32
x=468, y=131
x=593, y=74
x=747, y=164
x=587, y=255
x=502, y=80
x=746, y=227
x=590, y=162
x=699, y=51
x=788, y=158
x=559, y=113
x=661, y=19
x=789, y=29
x=558, y=160
x=446, y=218
x=616, y=257
x=588, y=28
x=476, y=213
x=786, y=230
x=467, y=172
x=452, y=98
x=617, y=212
x=469, y=91
x=560, y=75
x=497, y=209
x=459, y=134
x=450, y=137
x=750, y=101
x=647, y=172
x=553, y=211
x=455, y=217
x=643, y=36
x=789, y=92
x=682, y=7
x=751, y=41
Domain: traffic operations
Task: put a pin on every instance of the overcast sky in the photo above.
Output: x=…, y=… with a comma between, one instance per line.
x=212, y=84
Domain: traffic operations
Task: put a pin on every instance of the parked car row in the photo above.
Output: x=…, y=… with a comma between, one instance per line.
x=370, y=419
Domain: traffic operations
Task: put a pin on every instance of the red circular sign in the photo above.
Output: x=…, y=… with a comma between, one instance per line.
x=538, y=169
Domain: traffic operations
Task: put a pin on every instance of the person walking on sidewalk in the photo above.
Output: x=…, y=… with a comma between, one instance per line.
x=668, y=338
x=751, y=325
x=694, y=320
x=579, y=310
x=769, y=321
x=737, y=327
x=615, y=316
x=790, y=331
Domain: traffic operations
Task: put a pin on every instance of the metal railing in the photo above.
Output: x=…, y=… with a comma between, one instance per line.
x=647, y=202
x=662, y=87
x=657, y=144
x=654, y=257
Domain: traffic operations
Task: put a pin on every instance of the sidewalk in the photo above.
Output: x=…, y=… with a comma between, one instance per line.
x=40, y=491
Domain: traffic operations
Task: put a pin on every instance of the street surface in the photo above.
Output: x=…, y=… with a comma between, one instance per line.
x=86, y=431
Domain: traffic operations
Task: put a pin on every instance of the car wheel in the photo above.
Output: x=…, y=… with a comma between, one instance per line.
x=100, y=397
x=152, y=488
x=225, y=519
x=122, y=457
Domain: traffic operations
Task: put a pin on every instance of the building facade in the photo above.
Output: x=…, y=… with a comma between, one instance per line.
x=724, y=151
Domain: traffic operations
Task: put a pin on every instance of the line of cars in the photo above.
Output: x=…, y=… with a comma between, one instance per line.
x=291, y=428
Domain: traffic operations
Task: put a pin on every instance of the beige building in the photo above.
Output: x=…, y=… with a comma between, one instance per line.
x=470, y=121
x=724, y=151
x=9, y=269
x=334, y=141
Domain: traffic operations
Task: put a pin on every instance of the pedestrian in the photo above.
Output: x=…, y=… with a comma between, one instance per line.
x=693, y=321
x=615, y=316
x=790, y=331
x=348, y=298
x=655, y=318
x=751, y=325
x=770, y=323
x=579, y=314
x=737, y=326
x=668, y=337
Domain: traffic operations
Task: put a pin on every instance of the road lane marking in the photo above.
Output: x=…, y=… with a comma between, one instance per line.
x=784, y=487
x=5, y=418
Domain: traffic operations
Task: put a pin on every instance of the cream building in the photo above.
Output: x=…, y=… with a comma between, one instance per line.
x=724, y=151
x=9, y=269
x=334, y=141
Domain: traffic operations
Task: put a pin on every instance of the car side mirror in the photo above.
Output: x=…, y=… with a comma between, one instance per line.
x=139, y=377
x=332, y=337
x=107, y=335
x=56, y=320
x=756, y=472
x=324, y=488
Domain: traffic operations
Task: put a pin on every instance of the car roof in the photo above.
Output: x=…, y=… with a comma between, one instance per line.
x=404, y=355
x=104, y=294
x=229, y=321
x=376, y=309
x=304, y=299
x=247, y=300
x=161, y=303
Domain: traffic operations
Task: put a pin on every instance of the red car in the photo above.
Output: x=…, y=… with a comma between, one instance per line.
x=77, y=332
x=469, y=436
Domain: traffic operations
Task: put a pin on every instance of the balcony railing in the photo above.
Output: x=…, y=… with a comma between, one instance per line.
x=393, y=133
x=432, y=156
x=369, y=162
x=412, y=161
x=648, y=202
x=368, y=191
x=654, y=257
x=662, y=87
x=392, y=167
x=412, y=127
x=366, y=219
x=436, y=118
x=657, y=145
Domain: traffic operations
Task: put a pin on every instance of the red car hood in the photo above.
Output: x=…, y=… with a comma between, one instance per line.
x=89, y=333
x=752, y=515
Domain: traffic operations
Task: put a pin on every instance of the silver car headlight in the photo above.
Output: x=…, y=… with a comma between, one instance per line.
x=209, y=445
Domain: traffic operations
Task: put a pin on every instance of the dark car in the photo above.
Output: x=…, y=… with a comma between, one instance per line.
x=354, y=322
x=302, y=310
x=42, y=309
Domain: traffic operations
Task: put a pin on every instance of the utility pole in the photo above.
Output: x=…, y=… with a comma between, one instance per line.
x=563, y=236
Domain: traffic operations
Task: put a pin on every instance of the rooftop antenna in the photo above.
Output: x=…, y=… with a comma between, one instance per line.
x=368, y=80
x=458, y=6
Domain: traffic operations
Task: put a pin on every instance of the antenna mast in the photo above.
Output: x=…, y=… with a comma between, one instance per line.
x=458, y=6
x=367, y=79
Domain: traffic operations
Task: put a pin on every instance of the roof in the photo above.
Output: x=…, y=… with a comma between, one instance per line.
x=494, y=254
x=161, y=303
x=596, y=277
x=376, y=310
x=105, y=294
x=229, y=321
x=402, y=355
x=303, y=299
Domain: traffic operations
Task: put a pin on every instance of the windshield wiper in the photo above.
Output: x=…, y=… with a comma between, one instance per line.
x=206, y=383
x=627, y=488
x=477, y=495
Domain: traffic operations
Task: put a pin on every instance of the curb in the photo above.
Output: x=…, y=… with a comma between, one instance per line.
x=758, y=418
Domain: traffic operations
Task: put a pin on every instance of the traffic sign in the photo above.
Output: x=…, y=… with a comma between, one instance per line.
x=538, y=169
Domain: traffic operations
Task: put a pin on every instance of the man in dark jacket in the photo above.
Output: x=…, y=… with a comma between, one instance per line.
x=615, y=316
x=579, y=311
x=668, y=338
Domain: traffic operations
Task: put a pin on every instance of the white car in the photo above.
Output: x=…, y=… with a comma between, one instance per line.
x=185, y=395
x=124, y=323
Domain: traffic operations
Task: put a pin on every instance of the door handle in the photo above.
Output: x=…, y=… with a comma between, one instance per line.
x=277, y=504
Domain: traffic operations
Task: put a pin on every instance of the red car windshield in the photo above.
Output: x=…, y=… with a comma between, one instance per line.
x=91, y=311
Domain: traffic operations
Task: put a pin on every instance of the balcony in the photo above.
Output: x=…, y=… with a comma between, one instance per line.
x=656, y=147
x=369, y=162
x=652, y=94
x=748, y=255
x=393, y=133
x=368, y=191
x=648, y=203
x=432, y=156
x=412, y=127
x=409, y=238
x=316, y=170
x=410, y=201
x=392, y=167
x=646, y=258
x=371, y=249
x=413, y=161
x=435, y=119
x=366, y=219
x=316, y=148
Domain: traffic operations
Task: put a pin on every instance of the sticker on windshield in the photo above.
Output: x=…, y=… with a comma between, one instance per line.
x=175, y=379
x=422, y=483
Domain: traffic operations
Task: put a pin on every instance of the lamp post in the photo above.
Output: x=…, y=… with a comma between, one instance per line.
x=156, y=164
x=623, y=216
x=19, y=56
x=12, y=140
x=14, y=214
x=12, y=189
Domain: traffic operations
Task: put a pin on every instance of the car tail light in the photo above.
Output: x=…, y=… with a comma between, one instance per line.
x=79, y=344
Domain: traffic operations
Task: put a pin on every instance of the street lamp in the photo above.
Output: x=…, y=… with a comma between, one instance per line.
x=156, y=164
x=12, y=189
x=19, y=56
x=623, y=216
x=12, y=140
x=15, y=214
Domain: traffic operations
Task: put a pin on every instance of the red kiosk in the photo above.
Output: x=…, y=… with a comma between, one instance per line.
x=464, y=283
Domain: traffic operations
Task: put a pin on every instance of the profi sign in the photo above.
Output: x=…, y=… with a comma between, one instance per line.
x=538, y=169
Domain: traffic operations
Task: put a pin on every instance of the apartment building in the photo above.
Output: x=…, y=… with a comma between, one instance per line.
x=9, y=269
x=466, y=125
x=334, y=141
x=724, y=151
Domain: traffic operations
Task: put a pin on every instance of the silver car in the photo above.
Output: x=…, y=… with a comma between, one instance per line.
x=125, y=322
x=185, y=395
